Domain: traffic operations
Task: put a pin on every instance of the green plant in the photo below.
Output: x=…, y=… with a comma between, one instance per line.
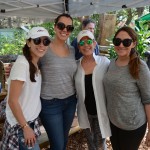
x=12, y=45
x=144, y=38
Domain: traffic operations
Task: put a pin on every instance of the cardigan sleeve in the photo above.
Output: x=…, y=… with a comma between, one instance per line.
x=144, y=83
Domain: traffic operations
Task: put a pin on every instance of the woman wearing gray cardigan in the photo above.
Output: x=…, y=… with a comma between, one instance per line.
x=127, y=87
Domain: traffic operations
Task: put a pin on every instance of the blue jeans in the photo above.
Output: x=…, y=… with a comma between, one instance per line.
x=57, y=116
x=22, y=145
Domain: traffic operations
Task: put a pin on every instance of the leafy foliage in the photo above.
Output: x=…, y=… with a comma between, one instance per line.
x=12, y=45
x=144, y=38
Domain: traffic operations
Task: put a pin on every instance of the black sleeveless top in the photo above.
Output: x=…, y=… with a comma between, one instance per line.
x=90, y=103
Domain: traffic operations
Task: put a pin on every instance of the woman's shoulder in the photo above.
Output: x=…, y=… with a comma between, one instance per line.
x=101, y=59
x=143, y=65
x=21, y=60
x=142, y=62
x=71, y=48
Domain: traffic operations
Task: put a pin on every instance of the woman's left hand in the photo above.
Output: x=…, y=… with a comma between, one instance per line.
x=147, y=142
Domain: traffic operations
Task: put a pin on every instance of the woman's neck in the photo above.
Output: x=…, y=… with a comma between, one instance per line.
x=58, y=42
x=122, y=61
x=88, y=64
x=88, y=59
x=59, y=48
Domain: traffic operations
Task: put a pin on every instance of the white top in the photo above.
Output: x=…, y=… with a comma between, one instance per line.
x=97, y=80
x=30, y=96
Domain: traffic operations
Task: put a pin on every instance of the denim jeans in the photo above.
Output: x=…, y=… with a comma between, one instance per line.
x=57, y=116
x=22, y=145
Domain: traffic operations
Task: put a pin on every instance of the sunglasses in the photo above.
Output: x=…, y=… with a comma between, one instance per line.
x=89, y=42
x=125, y=42
x=62, y=26
x=38, y=41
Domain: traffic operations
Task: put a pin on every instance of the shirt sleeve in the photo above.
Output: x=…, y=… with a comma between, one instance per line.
x=19, y=71
x=144, y=83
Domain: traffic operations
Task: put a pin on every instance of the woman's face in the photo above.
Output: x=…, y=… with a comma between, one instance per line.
x=121, y=49
x=38, y=46
x=63, y=34
x=90, y=27
x=86, y=46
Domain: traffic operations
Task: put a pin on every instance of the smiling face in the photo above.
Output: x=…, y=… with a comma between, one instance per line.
x=121, y=50
x=63, y=34
x=87, y=48
x=37, y=50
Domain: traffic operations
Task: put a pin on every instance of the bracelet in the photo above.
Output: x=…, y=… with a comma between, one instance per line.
x=25, y=125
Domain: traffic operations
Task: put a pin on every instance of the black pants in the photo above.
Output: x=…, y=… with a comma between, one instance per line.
x=127, y=139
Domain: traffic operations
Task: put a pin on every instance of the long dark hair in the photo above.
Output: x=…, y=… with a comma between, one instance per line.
x=32, y=68
x=134, y=63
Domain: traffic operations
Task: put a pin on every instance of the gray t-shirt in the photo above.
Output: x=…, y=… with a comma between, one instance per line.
x=126, y=96
x=57, y=75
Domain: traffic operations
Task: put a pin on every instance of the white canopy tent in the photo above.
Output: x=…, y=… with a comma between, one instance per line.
x=52, y=8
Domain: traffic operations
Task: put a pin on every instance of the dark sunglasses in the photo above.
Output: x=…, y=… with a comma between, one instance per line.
x=38, y=41
x=89, y=42
x=125, y=42
x=62, y=26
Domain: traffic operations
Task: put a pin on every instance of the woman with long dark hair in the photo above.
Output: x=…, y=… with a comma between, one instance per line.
x=58, y=96
x=21, y=128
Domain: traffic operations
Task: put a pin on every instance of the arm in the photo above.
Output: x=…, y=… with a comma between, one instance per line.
x=13, y=101
x=147, y=111
x=144, y=87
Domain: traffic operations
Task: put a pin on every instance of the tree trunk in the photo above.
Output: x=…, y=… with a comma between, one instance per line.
x=140, y=11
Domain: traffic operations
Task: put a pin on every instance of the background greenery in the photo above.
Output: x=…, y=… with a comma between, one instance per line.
x=9, y=45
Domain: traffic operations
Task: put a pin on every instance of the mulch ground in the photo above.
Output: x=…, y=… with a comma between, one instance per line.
x=77, y=141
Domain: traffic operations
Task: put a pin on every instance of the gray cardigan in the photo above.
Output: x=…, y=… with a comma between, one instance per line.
x=126, y=96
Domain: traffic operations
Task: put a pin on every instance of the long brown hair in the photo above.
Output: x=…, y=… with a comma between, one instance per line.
x=32, y=68
x=134, y=63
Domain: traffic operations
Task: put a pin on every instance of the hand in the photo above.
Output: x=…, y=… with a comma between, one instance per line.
x=29, y=136
x=147, y=142
x=7, y=69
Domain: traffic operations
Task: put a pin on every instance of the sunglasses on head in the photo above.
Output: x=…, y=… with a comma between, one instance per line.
x=125, y=42
x=62, y=26
x=89, y=42
x=38, y=41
